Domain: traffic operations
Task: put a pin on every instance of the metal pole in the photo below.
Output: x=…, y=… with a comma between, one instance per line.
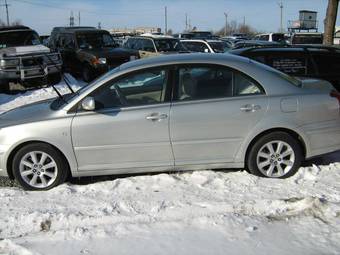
x=226, y=23
x=7, y=12
x=186, y=22
x=166, y=20
x=79, y=18
x=281, y=16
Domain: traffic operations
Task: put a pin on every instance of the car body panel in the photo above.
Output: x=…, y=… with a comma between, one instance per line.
x=217, y=130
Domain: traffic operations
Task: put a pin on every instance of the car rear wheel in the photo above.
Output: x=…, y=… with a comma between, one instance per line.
x=275, y=155
x=39, y=166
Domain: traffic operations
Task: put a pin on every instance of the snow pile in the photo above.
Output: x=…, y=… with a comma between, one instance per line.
x=202, y=212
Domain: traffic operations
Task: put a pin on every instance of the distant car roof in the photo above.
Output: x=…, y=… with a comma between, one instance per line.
x=156, y=36
x=84, y=30
x=13, y=28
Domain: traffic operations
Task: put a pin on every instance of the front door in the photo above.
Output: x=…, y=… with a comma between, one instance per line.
x=213, y=110
x=129, y=129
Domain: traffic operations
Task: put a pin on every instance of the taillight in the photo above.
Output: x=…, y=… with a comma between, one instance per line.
x=335, y=94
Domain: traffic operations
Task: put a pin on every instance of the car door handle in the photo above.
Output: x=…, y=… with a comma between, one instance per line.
x=156, y=116
x=250, y=108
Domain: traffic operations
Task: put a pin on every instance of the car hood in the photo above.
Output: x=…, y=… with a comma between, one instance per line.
x=25, y=50
x=38, y=111
x=109, y=52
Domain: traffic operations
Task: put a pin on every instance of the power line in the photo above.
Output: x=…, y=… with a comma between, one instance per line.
x=85, y=11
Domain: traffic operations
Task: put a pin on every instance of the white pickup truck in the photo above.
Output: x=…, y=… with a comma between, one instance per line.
x=24, y=60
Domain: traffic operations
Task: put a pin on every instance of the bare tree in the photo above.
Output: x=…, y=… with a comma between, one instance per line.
x=330, y=20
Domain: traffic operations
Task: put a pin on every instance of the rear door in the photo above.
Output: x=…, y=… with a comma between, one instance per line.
x=214, y=109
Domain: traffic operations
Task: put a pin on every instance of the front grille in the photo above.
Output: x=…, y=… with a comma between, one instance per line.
x=26, y=62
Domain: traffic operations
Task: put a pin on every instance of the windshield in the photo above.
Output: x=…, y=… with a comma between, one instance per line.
x=166, y=45
x=219, y=47
x=95, y=40
x=18, y=38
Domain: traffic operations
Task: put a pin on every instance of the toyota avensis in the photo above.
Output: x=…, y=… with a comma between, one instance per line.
x=179, y=112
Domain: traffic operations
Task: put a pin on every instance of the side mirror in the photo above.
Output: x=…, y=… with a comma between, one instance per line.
x=206, y=50
x=88, y=104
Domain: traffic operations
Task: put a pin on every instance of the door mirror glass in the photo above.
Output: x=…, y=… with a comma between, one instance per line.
x=88, y=104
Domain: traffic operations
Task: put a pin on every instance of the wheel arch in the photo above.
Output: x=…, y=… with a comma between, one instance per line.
x=9, y=161
x=291, y=132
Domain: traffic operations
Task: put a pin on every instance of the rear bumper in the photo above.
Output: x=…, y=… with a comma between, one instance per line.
x=323, y=139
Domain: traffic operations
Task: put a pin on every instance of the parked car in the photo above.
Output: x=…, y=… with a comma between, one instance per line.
x=206, y=46
x=89, y=52
x=271, y=37
x=254, y=43
x=306, y=38
x=154, y=45
x=23, y=59
x=302, y=61
x=175, y=112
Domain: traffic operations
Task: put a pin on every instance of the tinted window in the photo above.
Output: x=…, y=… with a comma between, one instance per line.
x=166, y=45
x=142, y=88
x=147, y=45
x=278, y=37
x=213, y=82
x=196, y=46
x=327, y=63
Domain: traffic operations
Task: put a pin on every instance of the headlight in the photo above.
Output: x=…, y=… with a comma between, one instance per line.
x=102, y=60
x=9, y=62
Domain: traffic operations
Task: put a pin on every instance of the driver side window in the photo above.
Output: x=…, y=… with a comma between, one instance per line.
x=142, y=88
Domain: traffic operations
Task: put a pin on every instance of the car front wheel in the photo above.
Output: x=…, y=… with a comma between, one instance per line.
x=39, y=166
x=275, y=155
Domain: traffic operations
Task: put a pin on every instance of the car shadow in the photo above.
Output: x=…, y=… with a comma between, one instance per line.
x=326, y=159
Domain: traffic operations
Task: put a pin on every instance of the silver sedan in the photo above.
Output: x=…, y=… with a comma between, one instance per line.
x=179, y=112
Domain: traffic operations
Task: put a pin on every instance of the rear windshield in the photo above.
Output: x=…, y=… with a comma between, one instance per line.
x=282, y=75
x=307, y=39
x=19, y=38
x=168, y=45
x=278, y=37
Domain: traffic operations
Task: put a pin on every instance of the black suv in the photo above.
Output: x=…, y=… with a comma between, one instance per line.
x=319, y=62
x=23, y=59
x=88, y=51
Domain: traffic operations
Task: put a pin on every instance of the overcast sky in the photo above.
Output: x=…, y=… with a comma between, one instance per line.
x=264, y=15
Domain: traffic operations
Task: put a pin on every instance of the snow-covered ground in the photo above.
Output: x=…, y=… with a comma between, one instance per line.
x=202, y=212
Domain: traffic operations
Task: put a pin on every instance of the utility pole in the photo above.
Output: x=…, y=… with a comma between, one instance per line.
x=99, y=25
x=226, y=23
x=166, y=20
x=71, y=20
x=186, y=22
x=244, y=21
x=6, y=5
x=281, y=16
x=78, y=18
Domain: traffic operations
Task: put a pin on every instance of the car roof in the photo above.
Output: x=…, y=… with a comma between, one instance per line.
x=183, y=57
x=287, y=48
x=83, y=30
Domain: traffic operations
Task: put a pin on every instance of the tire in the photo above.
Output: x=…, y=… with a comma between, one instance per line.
x=4, y=86
x=275, y=155
x=87, y=73
x=26, y=167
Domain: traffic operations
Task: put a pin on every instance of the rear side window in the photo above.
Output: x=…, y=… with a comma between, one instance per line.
x=208, y=82
x=195, y=46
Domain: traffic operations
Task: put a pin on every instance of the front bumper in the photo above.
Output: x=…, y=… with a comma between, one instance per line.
x=28, y=73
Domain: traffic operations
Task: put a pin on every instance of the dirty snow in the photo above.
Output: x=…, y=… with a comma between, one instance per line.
x=202, y=212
